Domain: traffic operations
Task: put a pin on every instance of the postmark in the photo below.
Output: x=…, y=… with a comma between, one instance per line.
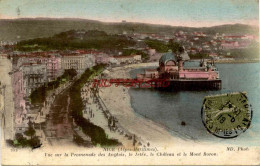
x=227, y=115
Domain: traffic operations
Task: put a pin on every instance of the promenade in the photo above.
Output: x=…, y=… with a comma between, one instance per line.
x=97, y=113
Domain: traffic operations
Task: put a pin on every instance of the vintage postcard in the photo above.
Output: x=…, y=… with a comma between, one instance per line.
x=129, y=82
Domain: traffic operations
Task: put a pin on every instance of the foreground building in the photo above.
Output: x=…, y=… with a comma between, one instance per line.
x=18, y=91
x=7, y=106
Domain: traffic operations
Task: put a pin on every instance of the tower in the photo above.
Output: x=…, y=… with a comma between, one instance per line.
x=180, y=65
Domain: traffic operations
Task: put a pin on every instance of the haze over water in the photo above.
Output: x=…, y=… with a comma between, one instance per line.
x=171, y=108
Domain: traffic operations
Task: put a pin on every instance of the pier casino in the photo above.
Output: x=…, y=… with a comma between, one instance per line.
x=171, y=67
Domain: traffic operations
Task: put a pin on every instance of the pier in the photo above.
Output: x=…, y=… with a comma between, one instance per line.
x=193, y=85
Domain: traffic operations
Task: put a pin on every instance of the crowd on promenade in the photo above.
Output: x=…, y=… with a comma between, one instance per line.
x=96, y=111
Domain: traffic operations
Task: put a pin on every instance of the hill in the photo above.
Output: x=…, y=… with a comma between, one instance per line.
x=23, y=29
x=69, y=40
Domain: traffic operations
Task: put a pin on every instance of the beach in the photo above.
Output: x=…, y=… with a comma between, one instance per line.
x=118, y=102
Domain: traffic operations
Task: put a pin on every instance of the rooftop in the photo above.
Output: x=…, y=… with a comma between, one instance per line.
x=169, y=56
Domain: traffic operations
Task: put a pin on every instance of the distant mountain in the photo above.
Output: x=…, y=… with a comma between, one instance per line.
x=23, y=29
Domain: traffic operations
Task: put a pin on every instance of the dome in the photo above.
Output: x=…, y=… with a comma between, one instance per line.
x=169, y=56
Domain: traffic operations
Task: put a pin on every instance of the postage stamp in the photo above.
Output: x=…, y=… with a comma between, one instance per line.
x=227, y=115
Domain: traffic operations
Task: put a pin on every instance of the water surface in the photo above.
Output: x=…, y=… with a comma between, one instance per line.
x=171, y=108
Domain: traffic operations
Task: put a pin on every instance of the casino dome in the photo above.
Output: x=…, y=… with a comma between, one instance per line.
x=169, y=56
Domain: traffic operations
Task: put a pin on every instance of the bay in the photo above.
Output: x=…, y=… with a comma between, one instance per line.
x=171, y=108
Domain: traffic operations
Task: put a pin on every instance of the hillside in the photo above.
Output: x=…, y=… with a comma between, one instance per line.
x=23, y=29
x=72, y=39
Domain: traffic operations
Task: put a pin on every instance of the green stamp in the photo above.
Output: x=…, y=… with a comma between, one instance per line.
x=226, y=115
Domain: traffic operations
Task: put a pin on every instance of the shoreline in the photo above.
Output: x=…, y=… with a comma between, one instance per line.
x=118, y=102
x=120, y=107
x=227, y=61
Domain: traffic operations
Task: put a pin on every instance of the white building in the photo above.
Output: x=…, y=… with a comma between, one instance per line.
x=79, y=62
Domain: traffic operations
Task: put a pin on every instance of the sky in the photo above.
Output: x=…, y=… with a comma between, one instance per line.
x=193, y=13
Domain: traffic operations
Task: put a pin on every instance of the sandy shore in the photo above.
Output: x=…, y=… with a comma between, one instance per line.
x=117, y=100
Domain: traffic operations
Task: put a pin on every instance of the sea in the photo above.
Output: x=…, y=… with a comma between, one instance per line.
x=171, y=108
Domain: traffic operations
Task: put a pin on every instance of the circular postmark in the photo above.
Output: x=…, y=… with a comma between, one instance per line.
x=226, y=115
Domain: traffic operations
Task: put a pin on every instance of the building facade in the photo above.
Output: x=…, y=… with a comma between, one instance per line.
x=102, y=58
x=34, y=76
x=18, y=91
x=79, y=62
x=51, y=61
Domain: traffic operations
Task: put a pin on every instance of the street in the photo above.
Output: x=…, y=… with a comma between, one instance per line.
x=58, y=127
